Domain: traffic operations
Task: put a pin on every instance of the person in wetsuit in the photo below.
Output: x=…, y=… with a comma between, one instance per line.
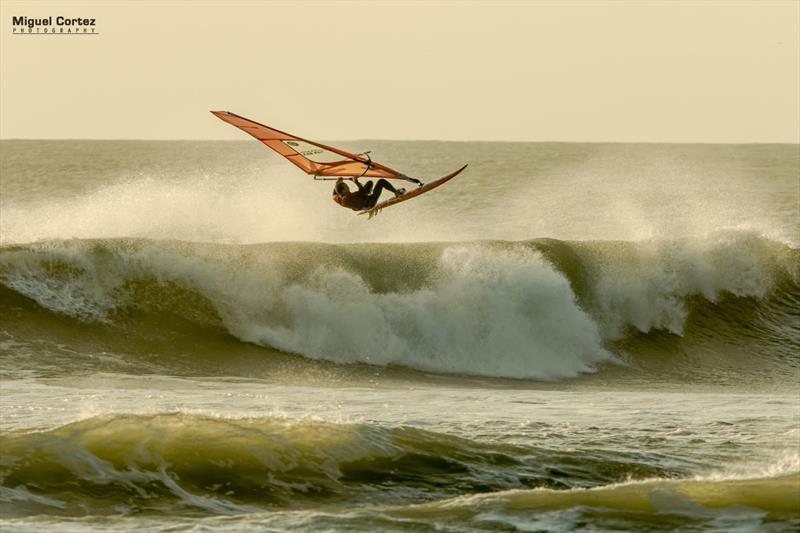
x=365, y=197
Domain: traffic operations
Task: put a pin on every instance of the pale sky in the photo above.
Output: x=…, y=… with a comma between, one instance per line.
x=720, y=71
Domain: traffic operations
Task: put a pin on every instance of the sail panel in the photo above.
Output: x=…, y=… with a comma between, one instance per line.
x=312, y=157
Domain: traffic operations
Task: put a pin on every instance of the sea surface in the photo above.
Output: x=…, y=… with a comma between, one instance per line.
x=566, y=337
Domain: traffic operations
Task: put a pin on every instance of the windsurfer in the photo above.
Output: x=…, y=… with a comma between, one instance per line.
x=365, y=197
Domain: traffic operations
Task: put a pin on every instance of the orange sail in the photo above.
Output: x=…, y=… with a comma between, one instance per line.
x=312, y=157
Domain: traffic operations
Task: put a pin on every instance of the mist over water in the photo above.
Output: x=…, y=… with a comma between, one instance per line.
x=566, y=336
x=234, y=192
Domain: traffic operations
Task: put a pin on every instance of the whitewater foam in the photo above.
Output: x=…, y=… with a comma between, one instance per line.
x=648, y=286
x=489, y=313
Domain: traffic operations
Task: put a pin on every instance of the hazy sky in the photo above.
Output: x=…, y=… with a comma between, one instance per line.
x=569, y=71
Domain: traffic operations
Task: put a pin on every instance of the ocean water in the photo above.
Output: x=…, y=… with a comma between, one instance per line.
x=592, y=337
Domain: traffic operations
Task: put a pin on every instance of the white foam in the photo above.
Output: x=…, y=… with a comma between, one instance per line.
x=490, y=313
x=79, y=291
x=651, y=290
x=780, y=463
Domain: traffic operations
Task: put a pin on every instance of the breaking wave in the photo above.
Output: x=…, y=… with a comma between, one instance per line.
x=542, y=309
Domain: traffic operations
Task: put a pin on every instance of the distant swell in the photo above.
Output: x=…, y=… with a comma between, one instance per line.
x=543, y=309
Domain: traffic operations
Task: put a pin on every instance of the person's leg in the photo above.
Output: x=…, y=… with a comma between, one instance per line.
x=377, y=190
x=383, y=184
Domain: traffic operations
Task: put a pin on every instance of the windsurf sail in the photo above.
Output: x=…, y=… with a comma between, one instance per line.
x=311, y=157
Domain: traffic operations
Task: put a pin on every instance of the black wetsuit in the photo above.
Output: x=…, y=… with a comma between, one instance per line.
x=366, y=196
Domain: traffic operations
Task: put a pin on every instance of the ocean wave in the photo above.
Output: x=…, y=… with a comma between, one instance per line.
x=762, y=504
x=225, y=466
x=174, y=464
x=662, y=504
x=542, y=309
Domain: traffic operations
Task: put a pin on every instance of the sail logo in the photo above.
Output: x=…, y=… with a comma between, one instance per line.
x=59, y=25
x=304, y=148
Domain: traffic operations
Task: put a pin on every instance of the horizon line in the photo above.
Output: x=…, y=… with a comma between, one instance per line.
x=366, y=139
